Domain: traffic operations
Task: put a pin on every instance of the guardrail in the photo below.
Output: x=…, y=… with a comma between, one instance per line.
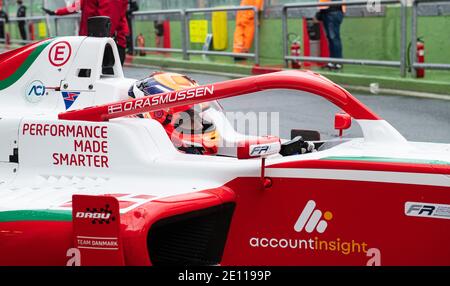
x=185, y=37
x=13, y=20
x=254, y=55
x=185, y=15
x=159, y=12
x=34, y=19
x=413, y=55
x=403, y=40
x=57, y=19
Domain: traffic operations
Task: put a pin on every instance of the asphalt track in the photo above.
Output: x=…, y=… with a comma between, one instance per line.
x=416, y=118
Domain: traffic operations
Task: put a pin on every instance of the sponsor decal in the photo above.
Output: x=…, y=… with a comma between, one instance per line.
x=35, y=91
x=69, y=98
x=99, y=243
x=315, y=244
x=97, y=216
x=102, y=216
x=259, y=150
x=311, y=220
x=74, y=256
x=90, y=144
x=62, y=130
x=96, y=230
x=156, y=100
x=375, y=257
x=264, y=149
x=60, y=53
x=429, y=210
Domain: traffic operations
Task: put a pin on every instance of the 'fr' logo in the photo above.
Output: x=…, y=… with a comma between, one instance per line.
x=258, y=150
x=421, y=209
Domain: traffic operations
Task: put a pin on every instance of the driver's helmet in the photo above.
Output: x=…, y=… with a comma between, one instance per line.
x=186, y=126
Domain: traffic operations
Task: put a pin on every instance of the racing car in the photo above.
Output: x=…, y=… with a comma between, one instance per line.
x=95, y=171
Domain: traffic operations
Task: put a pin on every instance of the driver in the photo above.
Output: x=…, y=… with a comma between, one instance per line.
x=186, y=126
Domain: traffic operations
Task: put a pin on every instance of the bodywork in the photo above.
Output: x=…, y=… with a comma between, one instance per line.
x=68, y=149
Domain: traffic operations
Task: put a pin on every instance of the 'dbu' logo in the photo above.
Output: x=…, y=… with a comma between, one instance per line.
x=97, y=216
x=35, y=91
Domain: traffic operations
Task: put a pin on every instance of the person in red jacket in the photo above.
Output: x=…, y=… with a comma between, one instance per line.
x=114, y=9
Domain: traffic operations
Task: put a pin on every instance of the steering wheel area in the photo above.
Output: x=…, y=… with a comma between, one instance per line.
x=297, y=146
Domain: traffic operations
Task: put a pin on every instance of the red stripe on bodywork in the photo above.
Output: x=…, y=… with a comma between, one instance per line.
x=367, y=166
x=144, y=197
x=10, y=61
x=125, y=204
x=46, y=242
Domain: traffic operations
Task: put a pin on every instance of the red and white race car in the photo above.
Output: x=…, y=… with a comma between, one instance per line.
x=85, y=181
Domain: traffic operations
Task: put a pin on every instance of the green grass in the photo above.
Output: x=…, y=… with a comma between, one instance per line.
x=388, y=78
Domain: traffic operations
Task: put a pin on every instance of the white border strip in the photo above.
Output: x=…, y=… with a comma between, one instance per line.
x=361, y=175
x=98, y=248
x=97, y=237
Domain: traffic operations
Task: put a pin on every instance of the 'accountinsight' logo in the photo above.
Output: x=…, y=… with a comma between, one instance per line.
x=310, y=219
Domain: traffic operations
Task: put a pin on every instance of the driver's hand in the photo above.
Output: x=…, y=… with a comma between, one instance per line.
x=307, y=147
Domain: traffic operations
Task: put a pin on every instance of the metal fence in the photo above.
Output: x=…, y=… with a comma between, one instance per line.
x=57, y=20
x=15, y=21
x=158, y=12
x=51, y=26
x=413, y=56
x=401, y=63
x=185, y=16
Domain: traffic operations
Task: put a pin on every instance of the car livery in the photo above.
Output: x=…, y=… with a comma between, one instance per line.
x=96, y=185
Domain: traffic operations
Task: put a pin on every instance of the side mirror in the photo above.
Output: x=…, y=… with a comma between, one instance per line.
x=342, y=121
x=258, y=147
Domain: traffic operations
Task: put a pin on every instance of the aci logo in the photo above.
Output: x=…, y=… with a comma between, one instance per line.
x=35, y=91
x=310, y=219
x=69, y=98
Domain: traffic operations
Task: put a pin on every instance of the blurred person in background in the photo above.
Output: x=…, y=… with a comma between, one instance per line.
x=22, y=13
x=132, y=7
x=116, y=10
x=4, y=17
x=332, y=17
x=245, y=29
x=158, y=25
